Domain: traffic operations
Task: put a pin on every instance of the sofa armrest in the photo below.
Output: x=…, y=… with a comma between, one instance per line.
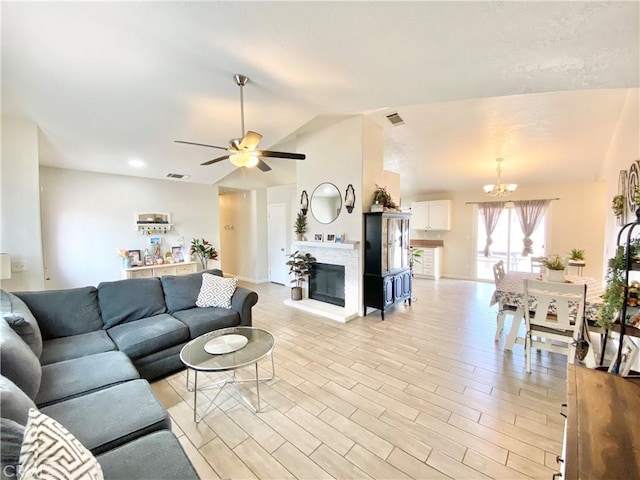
x=242, y=301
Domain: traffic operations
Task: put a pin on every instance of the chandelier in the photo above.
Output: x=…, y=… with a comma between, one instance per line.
x=500, y=189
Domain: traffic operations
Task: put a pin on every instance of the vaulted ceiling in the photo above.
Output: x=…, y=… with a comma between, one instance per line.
x=540, y=84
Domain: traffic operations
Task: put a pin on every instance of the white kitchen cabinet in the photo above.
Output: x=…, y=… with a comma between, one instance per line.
x=430, y=265
x=431, y=215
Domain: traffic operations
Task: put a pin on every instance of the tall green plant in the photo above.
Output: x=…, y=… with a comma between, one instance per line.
x=613, y=297
x=300, y=265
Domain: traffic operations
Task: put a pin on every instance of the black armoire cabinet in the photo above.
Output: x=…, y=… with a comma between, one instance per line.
x=387, y=276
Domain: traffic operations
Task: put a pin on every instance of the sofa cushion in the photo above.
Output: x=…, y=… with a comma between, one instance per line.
x=20, y=318
x=50, y=451
x=68, y=379
x=148, y=335
x=76, y=346
x=157, y=456
x=18, y=362
x=11, y=434
x=204, y=320
x=216, y=291
x=61, y=313
x=132, y=299
x=14, y=403
x=181, y=291
x=111, y=417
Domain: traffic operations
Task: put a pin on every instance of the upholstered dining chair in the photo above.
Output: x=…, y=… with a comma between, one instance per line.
x=503, y=310
x=557, y=316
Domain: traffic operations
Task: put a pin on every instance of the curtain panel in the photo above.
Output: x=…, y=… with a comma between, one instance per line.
x=529, y=214
x=490, y=213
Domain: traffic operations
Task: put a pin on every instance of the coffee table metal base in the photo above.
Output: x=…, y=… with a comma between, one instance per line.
x=223, y=383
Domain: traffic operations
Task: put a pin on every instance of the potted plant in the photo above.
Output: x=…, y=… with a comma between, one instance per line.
x=300, y=227
x=203, y=250
x=555, y=266
x=382, y=197
x=300, y=265
x=617, y=205
x=577, y=255
x=614, y=293
x=416, y=255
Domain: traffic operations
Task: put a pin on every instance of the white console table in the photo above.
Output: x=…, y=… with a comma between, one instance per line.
x=181, y=268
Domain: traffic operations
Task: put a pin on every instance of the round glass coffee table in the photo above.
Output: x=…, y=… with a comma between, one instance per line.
x=231, y=348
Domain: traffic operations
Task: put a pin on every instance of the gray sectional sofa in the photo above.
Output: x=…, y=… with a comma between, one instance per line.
x=83, y=357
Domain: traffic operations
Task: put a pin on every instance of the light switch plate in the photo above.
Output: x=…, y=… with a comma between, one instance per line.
x=18, y=265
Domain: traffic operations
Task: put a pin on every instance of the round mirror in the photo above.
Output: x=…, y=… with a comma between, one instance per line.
x=326, y=203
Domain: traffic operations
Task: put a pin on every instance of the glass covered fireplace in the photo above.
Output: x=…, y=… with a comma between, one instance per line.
x=326, y=283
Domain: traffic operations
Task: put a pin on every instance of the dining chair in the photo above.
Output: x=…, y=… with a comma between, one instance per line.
x=557, y=316
x=536, y=262
x=503, y=310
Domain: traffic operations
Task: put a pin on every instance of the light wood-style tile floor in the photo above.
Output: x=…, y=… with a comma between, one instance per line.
x=425, y=394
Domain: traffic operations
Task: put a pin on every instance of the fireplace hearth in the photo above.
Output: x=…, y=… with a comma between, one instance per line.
x=326, y=283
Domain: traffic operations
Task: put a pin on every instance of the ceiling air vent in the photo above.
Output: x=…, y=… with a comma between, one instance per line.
x=177, y=175
x=395, y=119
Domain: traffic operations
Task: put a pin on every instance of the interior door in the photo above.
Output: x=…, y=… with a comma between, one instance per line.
x=276, y=214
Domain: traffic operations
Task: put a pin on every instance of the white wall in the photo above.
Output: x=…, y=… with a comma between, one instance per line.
x=623, y=150
x=577, y=220
x=87, y=216
x=20, y=204
x=246, y=242
x=334, y=155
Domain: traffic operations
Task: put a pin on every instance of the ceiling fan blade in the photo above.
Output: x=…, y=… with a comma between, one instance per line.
x=263, y=166
x=250, y=140
x=291, y=156
x=215, y=160
x=200, y=144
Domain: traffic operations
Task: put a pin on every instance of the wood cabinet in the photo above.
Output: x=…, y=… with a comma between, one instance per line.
x=182, y=268
x=431, y=215
x=430, y=265
x=387, y=278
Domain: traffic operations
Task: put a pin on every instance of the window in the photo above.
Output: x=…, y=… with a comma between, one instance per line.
x=507, y=244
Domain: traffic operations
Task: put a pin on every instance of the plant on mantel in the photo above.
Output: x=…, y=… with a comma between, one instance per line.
x=300, y=227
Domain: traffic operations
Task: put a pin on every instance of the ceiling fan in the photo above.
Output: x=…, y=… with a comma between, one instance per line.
x=243, y=152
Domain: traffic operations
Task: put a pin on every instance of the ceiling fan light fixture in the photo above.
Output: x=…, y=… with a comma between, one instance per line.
x=243, y=159
x=500, y=189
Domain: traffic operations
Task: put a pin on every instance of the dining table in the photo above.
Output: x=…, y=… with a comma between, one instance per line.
x=510, y=293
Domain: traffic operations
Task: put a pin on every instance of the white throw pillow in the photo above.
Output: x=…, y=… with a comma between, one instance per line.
x=216, y=291
x=50, y=451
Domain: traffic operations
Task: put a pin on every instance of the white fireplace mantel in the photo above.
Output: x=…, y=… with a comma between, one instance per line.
x=343, y=246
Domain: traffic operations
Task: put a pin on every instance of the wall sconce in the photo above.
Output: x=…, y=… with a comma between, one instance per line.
x=350, y=198
x=5, y=266
x=304, y=202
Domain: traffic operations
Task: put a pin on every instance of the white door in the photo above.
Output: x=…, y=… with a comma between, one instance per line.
x=276, y=217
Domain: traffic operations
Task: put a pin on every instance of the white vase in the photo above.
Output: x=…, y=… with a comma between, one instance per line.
x=555, y=276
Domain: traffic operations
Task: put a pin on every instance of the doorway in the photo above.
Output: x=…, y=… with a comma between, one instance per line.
x=277, y=242
x=507, y=244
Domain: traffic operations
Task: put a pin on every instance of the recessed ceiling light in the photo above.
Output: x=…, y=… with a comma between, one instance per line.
x=137, y=163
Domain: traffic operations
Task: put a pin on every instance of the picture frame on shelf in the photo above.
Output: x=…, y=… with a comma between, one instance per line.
x=331, y=237
x=317, y=237
x=338, y=239
x=629, y=355
x=177, y=254
x=136, y=258
x=148, y=260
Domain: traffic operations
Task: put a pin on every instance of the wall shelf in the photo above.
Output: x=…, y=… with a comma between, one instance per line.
x=153, y=223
